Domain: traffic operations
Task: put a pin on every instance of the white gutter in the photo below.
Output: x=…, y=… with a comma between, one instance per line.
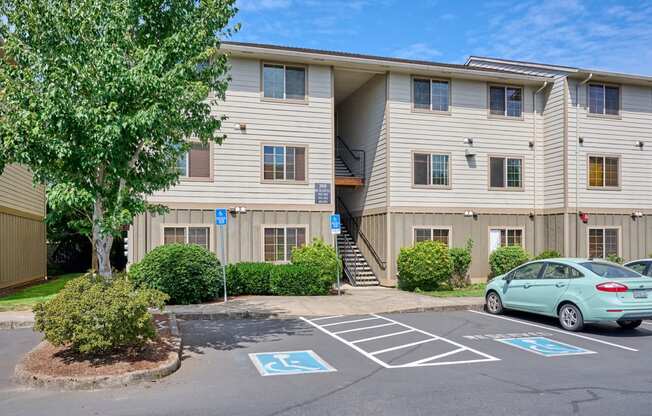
x=577, y=154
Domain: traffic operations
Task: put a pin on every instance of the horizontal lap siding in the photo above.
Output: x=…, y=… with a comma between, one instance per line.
x=23, y=255
x=17, y=191
x=553, y=147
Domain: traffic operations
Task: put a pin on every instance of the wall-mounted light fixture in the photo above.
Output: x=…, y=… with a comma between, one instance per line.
x=238, y=210
x=468, y=141
x=580, y=140
x=639, y=144
x=240, y=126
x=470, y=214
x=637, y=214
x=531, y=144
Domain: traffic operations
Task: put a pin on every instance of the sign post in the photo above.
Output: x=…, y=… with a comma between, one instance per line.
x=336, y=229
x=220, y=220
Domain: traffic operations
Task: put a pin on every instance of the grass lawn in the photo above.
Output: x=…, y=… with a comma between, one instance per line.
x=26, y=298
x=476, y=290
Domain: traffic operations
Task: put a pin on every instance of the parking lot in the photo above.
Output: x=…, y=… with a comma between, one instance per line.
x=407, y=364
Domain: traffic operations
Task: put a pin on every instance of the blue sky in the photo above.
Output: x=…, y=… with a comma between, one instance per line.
x=609, y=35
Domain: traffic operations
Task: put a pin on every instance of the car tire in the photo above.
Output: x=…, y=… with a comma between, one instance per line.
x=629, y=324
x=570, y=317
x=493, y=304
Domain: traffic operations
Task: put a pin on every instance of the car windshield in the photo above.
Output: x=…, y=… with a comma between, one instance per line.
x=612, y=271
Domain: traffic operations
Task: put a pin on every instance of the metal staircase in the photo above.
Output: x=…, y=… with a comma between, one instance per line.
x=341, y=170
x=356, y=268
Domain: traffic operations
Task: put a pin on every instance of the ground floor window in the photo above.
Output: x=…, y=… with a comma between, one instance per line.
x=604, y=242
x=432, y=234
x=280, y=240
x=187, y=235
x=501, y=237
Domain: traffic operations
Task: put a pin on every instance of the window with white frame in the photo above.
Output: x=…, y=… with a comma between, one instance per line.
x=431, y=169
x=505, y=172
x=505, y=101
x=284, y=82
x=505, y=236
x=604, y=172
x=196, y=162
x=284, y=163
x=604, y=99
x=431, y=94
x=432, y=234
x=280, y=240
x=187, y=235
x=604, y=242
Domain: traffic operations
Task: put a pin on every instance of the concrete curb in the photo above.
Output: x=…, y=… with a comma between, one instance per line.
x=16, y=324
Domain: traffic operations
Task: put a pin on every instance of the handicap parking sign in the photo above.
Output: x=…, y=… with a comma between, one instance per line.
x=289, y=362
x=544, y=346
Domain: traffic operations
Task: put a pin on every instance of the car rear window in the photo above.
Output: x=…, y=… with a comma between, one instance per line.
x=611, y=271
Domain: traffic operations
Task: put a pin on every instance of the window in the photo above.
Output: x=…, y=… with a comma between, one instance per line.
x=608, y=270
x=604, y=99
x=527, y=272
x=284, y=163
x=505, y=172
x=195, y=163
x=640, y=267
x=431, y=94
x=279, y=242
x=603, y=242
x=501, y=237
x=284, y=82
x=432, y=234
x=604, y=172
x=506, y=101
x=560, y=271
x=431, y=170
x=187, y=235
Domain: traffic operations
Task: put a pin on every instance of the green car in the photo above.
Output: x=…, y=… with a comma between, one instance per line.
x=576, y=291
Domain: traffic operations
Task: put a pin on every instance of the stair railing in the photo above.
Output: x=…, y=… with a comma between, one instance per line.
x=353, y=159
x=353, y=226
x=350, y=268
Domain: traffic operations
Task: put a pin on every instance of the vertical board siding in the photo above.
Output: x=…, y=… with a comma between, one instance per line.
x=23, y=252
x=635, y=234
x=374, y=227
x=17, y=191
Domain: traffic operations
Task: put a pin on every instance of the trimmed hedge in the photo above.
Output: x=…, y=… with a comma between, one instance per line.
x=300, y=280
x=548, y=254
x=426, y=266
x=461, y=258
x=320, y=255
x=249, y=278
x=504, y=259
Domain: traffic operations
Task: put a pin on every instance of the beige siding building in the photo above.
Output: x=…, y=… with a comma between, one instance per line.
x=23, y=252
x=499, y=152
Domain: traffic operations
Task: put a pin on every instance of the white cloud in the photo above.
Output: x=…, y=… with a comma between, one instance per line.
x=421, y=51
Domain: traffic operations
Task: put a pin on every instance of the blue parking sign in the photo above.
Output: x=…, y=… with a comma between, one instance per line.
x=544, y=346
x=336, y=225
x=289, y=362
x=220, y=216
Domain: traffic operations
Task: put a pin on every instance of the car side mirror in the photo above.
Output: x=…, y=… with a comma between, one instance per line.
x=508, y=278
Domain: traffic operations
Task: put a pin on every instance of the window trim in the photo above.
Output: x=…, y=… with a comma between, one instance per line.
x=506, y=188
x=211, y=244
x=604, y=108
x=433, y=227
x=605, y=227
x=430, y=154
x=605, y=187
x=305, y=100
x=284, y=226
x=283, y=181
x=504, y=116
x=431, y=79
x=211, y=165
x=504, y=227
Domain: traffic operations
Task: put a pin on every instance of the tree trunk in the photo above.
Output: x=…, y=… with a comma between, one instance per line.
x=94, y=264
x=101, y=242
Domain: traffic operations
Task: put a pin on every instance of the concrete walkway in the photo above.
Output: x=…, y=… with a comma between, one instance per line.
x=16, y=319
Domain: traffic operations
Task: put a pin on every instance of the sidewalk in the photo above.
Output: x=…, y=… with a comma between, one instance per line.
x=16, y=319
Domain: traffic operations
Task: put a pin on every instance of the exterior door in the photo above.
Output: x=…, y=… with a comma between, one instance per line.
x=517, y=290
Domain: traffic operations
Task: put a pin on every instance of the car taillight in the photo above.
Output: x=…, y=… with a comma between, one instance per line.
x=611, y=287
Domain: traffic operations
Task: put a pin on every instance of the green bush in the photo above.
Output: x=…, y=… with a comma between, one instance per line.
x=614, y=258
x=249, y=278
x=504, y=259
x=461, y=258
x=548, y=254
x=187, y=273
x=300, y=280
x=426, y=266
x=94, y=317
x=320, y=255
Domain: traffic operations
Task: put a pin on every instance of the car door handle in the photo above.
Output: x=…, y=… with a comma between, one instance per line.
x=526, y=285
x=560, y=284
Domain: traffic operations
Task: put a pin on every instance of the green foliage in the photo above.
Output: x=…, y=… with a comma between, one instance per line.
x=300, y=280
x=320, y=255
x=187, y=273
x=548, y=254
x=94, y=317
x=614, y=258
x=426, y=266
x=461, y=258
x=249, y=278
x=504, y=259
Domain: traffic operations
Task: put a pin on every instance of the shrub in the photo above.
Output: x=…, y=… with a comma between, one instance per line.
x=187, y=273
x=504, y=259
x=249, y=278
x=425, y=266
x=614, y=258
x=548, y=254
x=320, y=255
x=300, y=280
x=94, y=317
x=461, y=259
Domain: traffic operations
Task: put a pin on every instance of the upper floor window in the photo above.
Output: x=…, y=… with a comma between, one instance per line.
x=187, y=235
x=279, y=242
x=505, y=101
x=505, y=172
x=431, y=170
x=432, y=234
x=284, y=163
x=604, y=99
x=284, y=82
x=604, y=172
x=604, y=242
x=431, y=94
x=195, y=163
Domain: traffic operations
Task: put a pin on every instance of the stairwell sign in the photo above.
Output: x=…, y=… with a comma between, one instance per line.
x=336, y=226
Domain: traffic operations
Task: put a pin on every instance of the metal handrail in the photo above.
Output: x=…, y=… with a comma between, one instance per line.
x=349, y=219
x=352, y=274
x=353, y=159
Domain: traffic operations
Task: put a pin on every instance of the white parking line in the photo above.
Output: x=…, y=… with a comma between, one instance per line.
x=572, y=334
x=328, y=317
x=362, y=329
x=349, y=322
x=434, y=357
x=400, y=347
x=382, y=336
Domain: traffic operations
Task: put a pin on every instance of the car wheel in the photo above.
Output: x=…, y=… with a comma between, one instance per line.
x=494, y=304
x=570, y=317
x=628, y=324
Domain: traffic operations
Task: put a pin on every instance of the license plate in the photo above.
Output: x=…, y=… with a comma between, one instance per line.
x=640, y=294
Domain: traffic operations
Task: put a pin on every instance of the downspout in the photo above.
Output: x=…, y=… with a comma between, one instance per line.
x=577, y=166
x=534, y=164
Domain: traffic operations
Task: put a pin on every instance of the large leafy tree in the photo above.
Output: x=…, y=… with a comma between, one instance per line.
x=101, y=95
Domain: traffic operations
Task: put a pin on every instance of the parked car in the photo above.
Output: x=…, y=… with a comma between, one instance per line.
x=643, y=266
x=576, y=291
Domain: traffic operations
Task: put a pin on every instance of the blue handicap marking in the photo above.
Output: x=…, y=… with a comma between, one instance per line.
x=290, y=362
x=544, y=346
x=220, y=216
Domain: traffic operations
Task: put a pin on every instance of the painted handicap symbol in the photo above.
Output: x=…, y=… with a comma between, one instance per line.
x=544, y=346
x=285, y=365
x=292, y=362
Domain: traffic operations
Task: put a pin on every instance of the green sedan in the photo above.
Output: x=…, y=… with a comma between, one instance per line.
x=576, y=291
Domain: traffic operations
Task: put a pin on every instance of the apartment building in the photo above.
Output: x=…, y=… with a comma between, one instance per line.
x=500, y=152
